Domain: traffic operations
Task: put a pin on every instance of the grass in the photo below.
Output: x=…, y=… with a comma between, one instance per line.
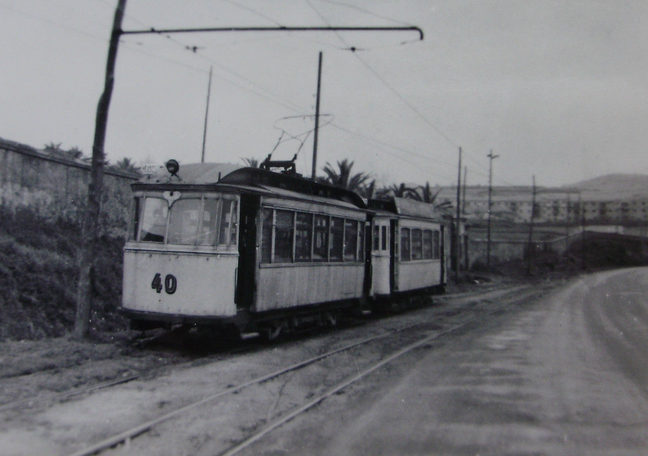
x=38, y=276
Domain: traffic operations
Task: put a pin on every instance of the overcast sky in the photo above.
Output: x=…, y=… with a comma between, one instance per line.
x=557, y=89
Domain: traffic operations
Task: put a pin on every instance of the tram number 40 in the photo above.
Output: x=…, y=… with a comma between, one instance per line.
x=170, y=284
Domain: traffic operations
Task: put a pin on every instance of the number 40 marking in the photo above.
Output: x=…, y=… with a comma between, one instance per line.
x=170, y=283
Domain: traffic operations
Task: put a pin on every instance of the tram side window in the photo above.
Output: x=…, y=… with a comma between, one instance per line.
x=361, y=244
x=154, y=220
x=336, y=240
x=228, y=222
x=417, y=244
x=266, y=235
x=376, y=238
x=207, y=231
x=383, y=237
x=405, y=244
x=437, y=246
x=303, y=236
x=320, y=246
x=283, y=237
x=183, y=224
x=350, y=240
x=428, y=249
x=137, y=217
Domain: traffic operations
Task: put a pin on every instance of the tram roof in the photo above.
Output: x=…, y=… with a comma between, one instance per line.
x=206, y=174
x=404, y=206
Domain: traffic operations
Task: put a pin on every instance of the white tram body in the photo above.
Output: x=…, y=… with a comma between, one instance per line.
x=252, y=249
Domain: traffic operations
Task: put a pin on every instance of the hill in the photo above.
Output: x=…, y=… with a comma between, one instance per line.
x=613, y=186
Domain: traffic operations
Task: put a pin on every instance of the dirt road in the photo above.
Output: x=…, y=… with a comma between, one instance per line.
x=565, y=375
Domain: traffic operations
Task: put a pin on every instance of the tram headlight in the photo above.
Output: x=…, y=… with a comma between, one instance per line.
x=172, y=167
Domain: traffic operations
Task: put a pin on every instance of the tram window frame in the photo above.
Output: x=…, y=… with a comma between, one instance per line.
x=376, y=238
x=320, y=233
x=303, y=237
x=307, y=223
x=336, y=239
x=405, y=244
x=284, y=232
x=428, y=245
x=267, y=235
x=163, y=206
x=350, y=240
x=436, y=240
x=181, y=228
x=208, y=232
x=416, y=245
x=361, y=241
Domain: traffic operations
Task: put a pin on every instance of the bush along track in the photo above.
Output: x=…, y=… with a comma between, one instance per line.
x=38, y=276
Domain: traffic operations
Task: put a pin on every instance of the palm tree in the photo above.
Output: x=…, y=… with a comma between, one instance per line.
x=344, y=177
x=397, y=191
x=53, y=147
x=426, y=194
x=75, y=153
x=251, y=162
x=368, y=191
x=126, y=164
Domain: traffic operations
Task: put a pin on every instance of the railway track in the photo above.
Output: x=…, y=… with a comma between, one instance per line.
x=458, y=312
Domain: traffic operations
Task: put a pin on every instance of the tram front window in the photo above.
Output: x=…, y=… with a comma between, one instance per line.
x=183, y=225
x=196, y=220
x=154, y=220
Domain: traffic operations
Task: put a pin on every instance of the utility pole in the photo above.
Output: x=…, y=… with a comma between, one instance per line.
x=530, y=254
x=490, y=203
x=317, y=113
x=581, y=217
x=91, y=218
x=463, y=203
x=202, y=160
x=457, y=251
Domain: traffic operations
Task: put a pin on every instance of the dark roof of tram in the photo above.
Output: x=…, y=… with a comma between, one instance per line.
x=199, y=174
x=406, y=207
x=261, y=177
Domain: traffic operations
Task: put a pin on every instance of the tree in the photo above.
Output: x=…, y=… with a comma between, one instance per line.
x=54, y=147
x=126, y=164
x=251, y=162
x=426, y=194
x=397, y=191
x=344, y=177
x=75, y=153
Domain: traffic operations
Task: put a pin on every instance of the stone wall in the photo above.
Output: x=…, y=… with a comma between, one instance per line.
x=55, y=186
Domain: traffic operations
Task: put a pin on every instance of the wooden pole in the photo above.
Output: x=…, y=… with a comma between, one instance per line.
x=530, y=255
x=457, y=242
x=95, y=187
x=490, y=194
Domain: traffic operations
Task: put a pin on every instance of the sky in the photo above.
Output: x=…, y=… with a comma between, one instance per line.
x=555, y=89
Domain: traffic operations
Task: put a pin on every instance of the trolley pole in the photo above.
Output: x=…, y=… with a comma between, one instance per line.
x=202, y=160
x=317, y=114
x=490, y=203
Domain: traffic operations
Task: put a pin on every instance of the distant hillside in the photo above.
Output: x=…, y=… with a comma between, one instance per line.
x=613, y=186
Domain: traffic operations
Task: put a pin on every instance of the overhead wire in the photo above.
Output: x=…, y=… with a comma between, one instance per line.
x=256, y=89
x=389, y=86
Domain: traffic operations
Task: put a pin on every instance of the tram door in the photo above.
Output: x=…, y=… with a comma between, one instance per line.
x=246, y=284
x=381, y=257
